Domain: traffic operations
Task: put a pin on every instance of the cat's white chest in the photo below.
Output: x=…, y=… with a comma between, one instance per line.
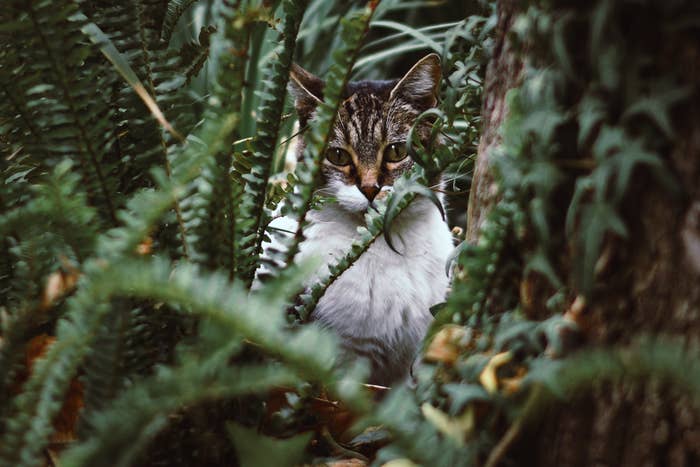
x=380, y=305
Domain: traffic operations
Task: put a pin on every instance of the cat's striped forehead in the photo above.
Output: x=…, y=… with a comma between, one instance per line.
x=361, y=124
x=368, y=120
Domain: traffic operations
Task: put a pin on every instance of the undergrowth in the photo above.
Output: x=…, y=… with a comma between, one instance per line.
x=142, y=160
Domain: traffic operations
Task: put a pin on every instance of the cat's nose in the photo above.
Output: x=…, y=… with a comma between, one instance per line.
x=370, y=191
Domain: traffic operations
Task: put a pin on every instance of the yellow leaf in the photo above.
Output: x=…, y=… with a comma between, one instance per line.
x=400, y=463
x=488, y=378
x=447, y=343
x=456, y=428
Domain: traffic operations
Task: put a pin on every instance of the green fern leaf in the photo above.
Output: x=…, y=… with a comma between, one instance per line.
x=47, y=83
x=268, y=128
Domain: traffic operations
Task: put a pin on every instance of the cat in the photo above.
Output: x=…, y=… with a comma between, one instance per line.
x=379, y=307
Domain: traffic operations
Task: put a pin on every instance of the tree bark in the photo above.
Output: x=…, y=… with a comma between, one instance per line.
x=647, y=286
x=503, y=73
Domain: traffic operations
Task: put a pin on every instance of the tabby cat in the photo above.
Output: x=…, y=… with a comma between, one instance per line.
x=380, y=306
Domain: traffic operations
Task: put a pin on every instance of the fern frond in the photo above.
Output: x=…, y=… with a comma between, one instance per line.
x=299, y=202
x=135, y=418
x=175, y=10
x=44, y=71
x=140, y=140
x=13, y=329
x=210, y=215
x=135, y=33
x=59, y=207
x=29, y=422
x=309, y=352
x=139, y=216
x=105, y=366
x=53, y=226
x=153, y=332
x=212, y=210
x=646, y=359
x=267, y=134
x=126, y=351
x=225, y=304
x=194, y=55
x=474, y=281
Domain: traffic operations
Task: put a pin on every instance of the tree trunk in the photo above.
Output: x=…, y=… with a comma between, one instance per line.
x=646, y=284
x=503, y=73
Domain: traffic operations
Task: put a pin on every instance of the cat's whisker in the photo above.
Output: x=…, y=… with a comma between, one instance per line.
x=441, y=182
x=449, y=193
x=324, y=191
x=448, y=180
x=301, y=130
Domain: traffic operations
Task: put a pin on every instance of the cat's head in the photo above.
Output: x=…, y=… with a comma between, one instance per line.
x=367, y=151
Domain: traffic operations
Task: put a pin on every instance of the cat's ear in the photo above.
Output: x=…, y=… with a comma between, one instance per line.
x=306, y=89
x=421, y=84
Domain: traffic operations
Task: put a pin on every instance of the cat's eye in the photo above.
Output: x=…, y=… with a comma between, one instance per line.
x=338, y=156
x=395, y=152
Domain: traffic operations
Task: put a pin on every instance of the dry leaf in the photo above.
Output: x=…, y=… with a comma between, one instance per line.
x=488, y=378
x=576, y=310
x=400, y=463
x=53, y=290
x=58, y=284
x=512, y=384
x=457, y=428
x=66, y=420
x=145, y=247
x=447, y=344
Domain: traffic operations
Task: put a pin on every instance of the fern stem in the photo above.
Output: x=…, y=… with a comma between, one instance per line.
x=256, y=34
x=350, y=257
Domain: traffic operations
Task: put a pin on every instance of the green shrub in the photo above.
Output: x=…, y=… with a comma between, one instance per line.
x=141, y=162
x=136, y=190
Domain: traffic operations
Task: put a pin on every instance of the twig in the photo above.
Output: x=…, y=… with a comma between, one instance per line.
x=501, y=449
x=504, y=444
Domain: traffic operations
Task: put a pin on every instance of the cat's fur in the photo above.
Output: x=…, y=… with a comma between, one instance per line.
x=380, y=306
